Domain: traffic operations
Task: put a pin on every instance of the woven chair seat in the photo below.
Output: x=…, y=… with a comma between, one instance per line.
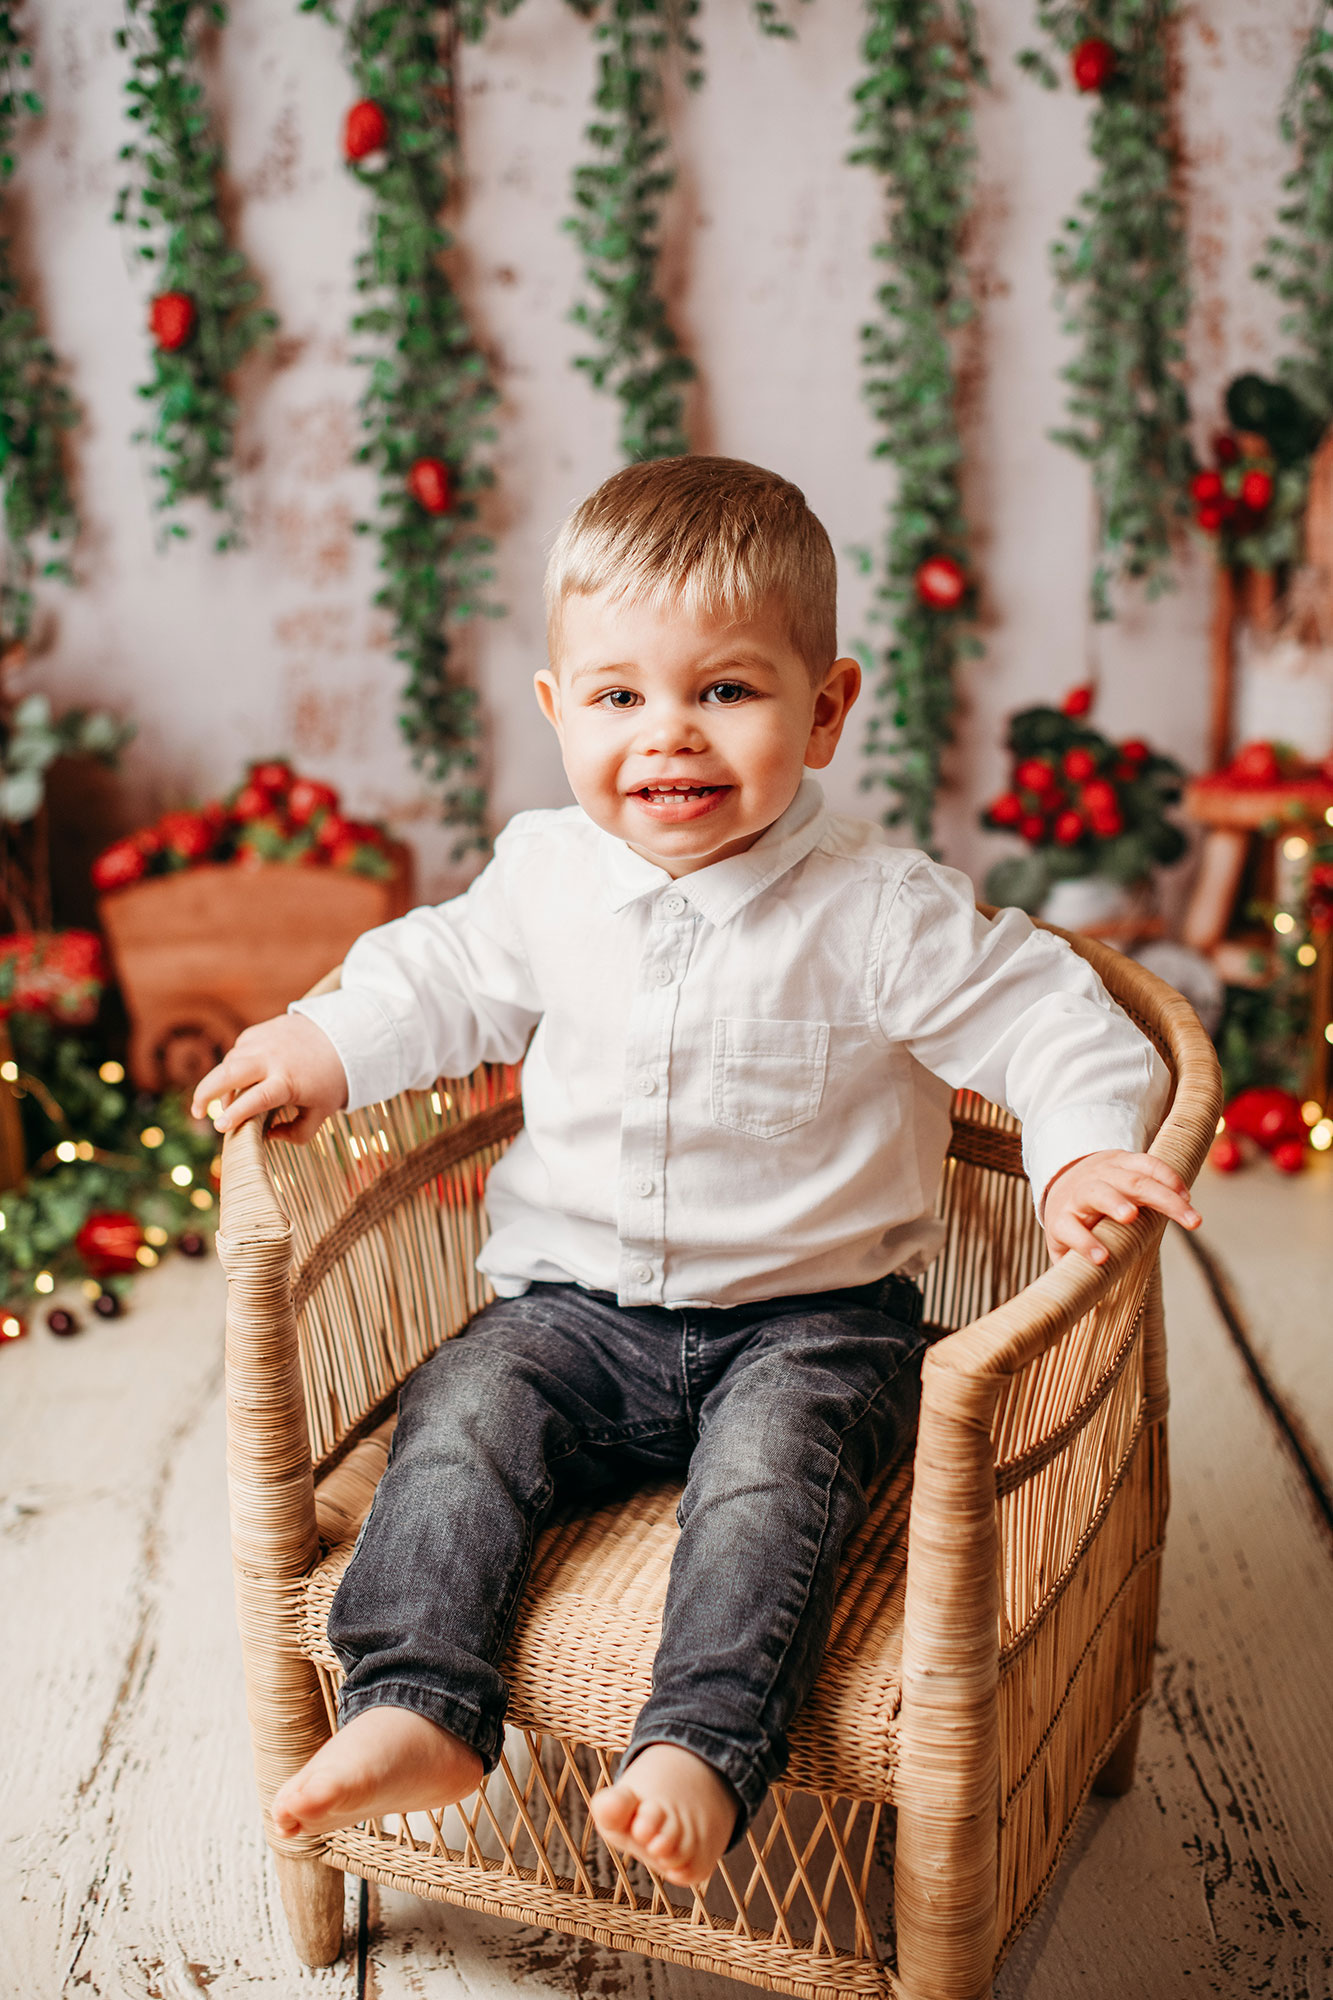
x=580, y=1660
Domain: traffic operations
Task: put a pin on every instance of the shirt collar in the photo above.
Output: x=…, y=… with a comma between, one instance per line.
x=722, y=891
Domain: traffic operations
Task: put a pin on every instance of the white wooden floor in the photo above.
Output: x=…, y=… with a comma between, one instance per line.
x=131, y=1861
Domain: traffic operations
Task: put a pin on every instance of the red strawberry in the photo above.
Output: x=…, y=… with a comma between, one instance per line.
x=1106, y=825
x=365, y=129
x=307, y=797
x=1033, y=828
x=1256, y=764
x=1206, y=486
x=1210, y=516
x=1079, y=763
x=1078, y=701
x=1100, y=797
x=187, y=835
x=171, y=320
x=333, y=829
x=1034, y=774
x=1069, y=828
x=275, y=777
x=1135, y=751
x=251, y=802
x=121, y=863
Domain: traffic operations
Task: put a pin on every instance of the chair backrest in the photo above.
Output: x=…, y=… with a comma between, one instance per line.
x=387, y=1214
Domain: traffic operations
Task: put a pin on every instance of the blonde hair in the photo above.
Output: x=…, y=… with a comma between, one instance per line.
x=715, y=537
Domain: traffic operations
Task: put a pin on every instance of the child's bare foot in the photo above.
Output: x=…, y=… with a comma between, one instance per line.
x=671, y=1809
x=385, y=1760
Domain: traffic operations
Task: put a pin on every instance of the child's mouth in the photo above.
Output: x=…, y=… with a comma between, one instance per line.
x=680, y=802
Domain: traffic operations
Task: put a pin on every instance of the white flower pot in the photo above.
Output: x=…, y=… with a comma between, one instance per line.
x=1093, y=902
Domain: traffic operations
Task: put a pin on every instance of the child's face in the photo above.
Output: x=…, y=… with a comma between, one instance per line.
x=686, y=739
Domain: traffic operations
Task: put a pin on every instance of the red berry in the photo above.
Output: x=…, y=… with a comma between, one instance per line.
x=1007, y=810
x=428, y=483
x=1210, y=514
x=1069, y=828
x=1077, y=702
x=1225, y=1154
x=1033, y=828
x=274, y=776
x=343, y=854
x=171, y=320
x=1289, y=1157
x=1256, y=490
x=1206, y=486
x=108, y=1242
x=1093, y=63
x=1225, y=449
x=333, y=829
x=1034, y=774
x=365, y=129
x=940, y=583
x=1079, y=763
x=121, y=863
x=307, y=797
x=1135, y=751
x=1100, y=797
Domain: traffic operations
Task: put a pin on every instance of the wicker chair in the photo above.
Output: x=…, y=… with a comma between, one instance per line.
x=994, y=1632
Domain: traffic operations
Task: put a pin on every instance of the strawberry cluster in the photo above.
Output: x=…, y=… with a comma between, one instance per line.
x=273, y=815
x=1236, y=492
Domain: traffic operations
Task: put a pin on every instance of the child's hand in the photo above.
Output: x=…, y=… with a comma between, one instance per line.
x=1115, y=1186
x=284, y=1063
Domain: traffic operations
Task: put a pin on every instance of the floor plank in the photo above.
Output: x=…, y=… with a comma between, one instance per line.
x=131, y=1861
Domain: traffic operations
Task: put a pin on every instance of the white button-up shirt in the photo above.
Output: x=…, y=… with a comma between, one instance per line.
x=736, y=1085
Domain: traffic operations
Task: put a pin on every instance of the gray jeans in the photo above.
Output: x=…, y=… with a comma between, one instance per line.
x=780, y=1414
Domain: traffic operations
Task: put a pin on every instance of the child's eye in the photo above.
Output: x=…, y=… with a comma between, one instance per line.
x=728, y=693
x=617, y=698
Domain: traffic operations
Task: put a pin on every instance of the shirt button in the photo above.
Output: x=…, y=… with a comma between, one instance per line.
x=643, y=1185
x=664, y=975
x=673, y=905
x=641, y=1273
x=647, y=1083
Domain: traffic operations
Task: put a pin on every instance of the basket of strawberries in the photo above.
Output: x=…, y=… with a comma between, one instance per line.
x=218, y=916
x=1088, y=810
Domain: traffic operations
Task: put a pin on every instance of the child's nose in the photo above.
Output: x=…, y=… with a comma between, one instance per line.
x=669, y=730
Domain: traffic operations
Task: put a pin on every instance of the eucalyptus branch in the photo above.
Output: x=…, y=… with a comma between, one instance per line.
x=1121, y=270
x=35, y=405
x=914, y=121
x=204, y=316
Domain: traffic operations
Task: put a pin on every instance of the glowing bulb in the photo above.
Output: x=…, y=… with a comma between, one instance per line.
x=1328, y=1031
x=156, y=1235
x=10, y=1327
x=43, y=1282
x=1296, y=849
x=1306, y=955
x=1312, y=1111
x=201, y=1198
x=214, y=1107
x=112, y=1072
x=182, y=1176
x=85, y=1149
x=91, y=1289
x=9, y=1071
x=384, y=1141
x=1284, y=922
x=1221, y=1126
x=1328, y=816
x=1321, y=1138
x=435, y=1104
x=152, y=1137
x=143, y=1255
x=67, y=1151
x=4, y=1221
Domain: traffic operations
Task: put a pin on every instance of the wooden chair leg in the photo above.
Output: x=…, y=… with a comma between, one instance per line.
x=312, y=1898
x=1116, y=1776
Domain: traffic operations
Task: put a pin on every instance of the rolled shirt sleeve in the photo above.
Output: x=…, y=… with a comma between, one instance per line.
x=997, y=1006
x=432, y=994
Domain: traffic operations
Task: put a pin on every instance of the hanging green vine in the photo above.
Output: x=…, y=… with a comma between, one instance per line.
x=428, y=399
x=204, y=319
x=618, y=196
x=914, y=121
x=1299, y=263
x=1121, y=270
x=35, y=405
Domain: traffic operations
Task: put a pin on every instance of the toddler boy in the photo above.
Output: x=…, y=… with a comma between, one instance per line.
x=741, y=1021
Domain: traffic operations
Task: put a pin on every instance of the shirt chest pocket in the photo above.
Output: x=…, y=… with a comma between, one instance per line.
x=768, y=1076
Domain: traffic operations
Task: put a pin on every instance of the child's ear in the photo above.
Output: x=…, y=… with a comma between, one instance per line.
x=548, y=696
x=832, y=704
